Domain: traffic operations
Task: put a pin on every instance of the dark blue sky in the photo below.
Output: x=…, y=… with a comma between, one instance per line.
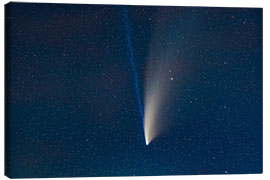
x=71, y=104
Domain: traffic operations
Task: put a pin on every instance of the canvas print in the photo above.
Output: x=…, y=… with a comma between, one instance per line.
x=121, y=90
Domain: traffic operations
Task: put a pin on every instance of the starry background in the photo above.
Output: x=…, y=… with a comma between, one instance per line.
x=70, y=102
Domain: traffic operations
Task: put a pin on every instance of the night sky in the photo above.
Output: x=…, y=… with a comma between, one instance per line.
x=75, y=83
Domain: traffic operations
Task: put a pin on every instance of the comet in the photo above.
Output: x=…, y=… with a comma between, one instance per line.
x=160, y=76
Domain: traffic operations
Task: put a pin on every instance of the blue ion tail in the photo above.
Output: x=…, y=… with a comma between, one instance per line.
x=133, y=66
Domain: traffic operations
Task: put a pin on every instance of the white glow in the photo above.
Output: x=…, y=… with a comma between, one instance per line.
x=162, y=71
x=150, y=123
x=156, y=92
